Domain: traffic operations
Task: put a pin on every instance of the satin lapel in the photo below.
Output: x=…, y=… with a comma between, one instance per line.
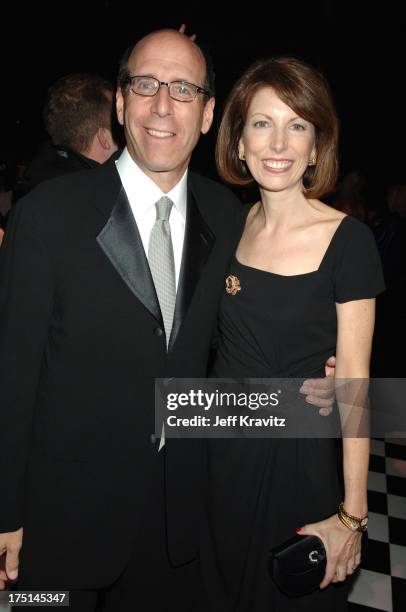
x=198, y=243
x=122, y=244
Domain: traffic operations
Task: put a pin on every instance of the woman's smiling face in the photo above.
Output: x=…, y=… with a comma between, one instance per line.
x=276, y=142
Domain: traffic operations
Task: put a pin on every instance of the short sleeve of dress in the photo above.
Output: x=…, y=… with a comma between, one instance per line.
x=357, y=267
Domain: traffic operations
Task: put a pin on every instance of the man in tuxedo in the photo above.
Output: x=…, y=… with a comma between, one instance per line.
x=111, y=278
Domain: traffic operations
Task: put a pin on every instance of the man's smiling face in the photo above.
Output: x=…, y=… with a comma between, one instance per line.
x=161, y=133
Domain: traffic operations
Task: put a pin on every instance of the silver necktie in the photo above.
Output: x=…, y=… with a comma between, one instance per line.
x=162, y=264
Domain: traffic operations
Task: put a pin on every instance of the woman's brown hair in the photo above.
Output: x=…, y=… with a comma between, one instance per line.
x=307, y=93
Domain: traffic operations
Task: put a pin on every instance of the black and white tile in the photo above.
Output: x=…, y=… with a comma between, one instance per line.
x=381, y=583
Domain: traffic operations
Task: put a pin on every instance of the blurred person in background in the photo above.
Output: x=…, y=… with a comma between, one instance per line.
x=78, y=117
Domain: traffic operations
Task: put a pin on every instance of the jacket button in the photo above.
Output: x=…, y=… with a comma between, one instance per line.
x=158, y=331
x=152, y=438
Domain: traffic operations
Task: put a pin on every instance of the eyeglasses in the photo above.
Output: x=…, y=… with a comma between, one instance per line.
x=178, y=90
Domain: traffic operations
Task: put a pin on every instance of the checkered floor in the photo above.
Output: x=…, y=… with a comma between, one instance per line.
x=381, y=584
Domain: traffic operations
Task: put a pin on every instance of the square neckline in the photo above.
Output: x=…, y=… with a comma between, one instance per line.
x=326, y=252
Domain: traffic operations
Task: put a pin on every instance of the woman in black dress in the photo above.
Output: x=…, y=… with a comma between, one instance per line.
x=308, y=276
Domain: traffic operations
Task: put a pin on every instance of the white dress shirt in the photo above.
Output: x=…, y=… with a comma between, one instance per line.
x=143, y=193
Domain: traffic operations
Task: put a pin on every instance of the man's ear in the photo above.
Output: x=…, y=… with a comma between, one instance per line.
x=208, y=114
x=120, y=106
x=104, y=137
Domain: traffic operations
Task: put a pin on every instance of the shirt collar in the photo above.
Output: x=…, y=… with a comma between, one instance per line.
x=136, y=182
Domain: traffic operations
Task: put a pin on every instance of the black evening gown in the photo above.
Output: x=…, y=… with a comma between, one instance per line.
x=258, y=491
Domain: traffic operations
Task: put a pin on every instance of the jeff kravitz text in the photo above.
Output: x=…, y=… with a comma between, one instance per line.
x=230, y=421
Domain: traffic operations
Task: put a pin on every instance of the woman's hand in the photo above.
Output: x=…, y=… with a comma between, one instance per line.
x=343, y=548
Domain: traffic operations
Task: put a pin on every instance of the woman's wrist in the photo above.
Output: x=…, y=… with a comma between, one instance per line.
x=356, y=507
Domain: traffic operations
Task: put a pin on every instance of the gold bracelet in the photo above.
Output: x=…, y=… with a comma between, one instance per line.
x=354, y=523
x=350, y=516
x=344, y=522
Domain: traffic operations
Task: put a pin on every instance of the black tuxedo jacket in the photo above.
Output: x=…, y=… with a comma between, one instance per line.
x=80, y=345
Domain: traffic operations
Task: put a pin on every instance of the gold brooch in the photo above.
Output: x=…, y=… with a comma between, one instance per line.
x=233, y=284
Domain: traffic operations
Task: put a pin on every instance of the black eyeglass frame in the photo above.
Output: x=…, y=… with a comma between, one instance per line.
x=128, y=80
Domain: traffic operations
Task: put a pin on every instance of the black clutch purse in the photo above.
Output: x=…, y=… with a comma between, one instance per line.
x=298, y=565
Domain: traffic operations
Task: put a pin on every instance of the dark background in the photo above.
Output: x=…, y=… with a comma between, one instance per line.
x=359, y=48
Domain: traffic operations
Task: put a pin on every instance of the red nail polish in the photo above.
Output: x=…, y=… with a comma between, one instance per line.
x=298, y=529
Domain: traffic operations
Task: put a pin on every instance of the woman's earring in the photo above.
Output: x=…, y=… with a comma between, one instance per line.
x=241, y=155
x=312, y=161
